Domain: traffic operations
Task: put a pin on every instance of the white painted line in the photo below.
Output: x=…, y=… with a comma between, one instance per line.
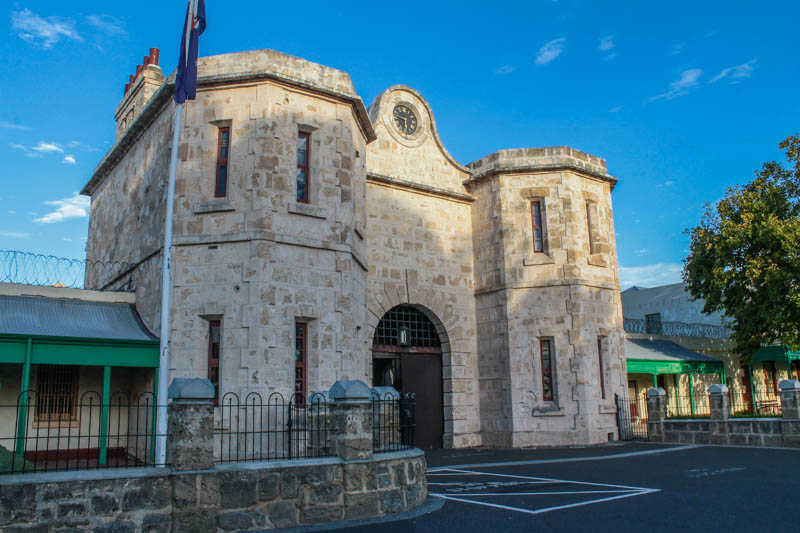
x=479, y=494
x=474, y=482
x=557, y=480
x=568, y=459
x=546, y=509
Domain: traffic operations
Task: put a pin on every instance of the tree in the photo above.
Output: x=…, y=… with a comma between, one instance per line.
x=744, y=257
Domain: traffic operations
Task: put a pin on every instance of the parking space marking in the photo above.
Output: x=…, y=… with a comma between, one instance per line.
x=468, y=490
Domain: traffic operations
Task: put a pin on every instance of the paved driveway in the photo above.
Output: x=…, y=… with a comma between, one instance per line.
x=622, y=487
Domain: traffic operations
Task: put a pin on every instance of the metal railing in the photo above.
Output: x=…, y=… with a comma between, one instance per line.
x=393, y=422
x=277, y=429
x=55, y=432
x=50, y=271
x=632, y=418
x=757, y=403
x=676, y=329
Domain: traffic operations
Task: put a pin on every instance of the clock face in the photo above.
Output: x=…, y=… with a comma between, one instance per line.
x=405, y=119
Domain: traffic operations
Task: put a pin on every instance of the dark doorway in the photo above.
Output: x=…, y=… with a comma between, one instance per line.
x=407, y=355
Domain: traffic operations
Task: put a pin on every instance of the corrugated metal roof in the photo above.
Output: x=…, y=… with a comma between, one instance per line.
x=658, y=350
x=57, y=317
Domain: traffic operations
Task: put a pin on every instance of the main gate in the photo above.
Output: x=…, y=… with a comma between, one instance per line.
x=632, y=418
x=407, y=355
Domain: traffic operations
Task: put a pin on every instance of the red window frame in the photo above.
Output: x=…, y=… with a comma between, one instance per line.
x=537, y=223
x=304, y=166
x=770, y=377
x=300, y=359
x=600, y=366
x=223, y=150
x=545, y=349
x=214, y=354
x=589, y=226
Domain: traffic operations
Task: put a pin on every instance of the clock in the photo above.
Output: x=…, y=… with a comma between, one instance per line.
x=404, y=119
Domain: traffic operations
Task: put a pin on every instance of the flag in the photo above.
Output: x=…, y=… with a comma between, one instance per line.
x=186, y=77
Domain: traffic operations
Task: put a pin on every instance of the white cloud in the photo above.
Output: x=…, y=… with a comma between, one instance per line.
x=15, y=234
x=80, y=146
x=735, y=73
x=615, y=109
x=606, y=43
x=12, y=126
x=107, y=24
x=69, y=159
x=47, y=147
x=505, y=69
x=40, y=31
x=678, y=48
x=76, y=206
x=681, y=86
x=550, y=51
x=650, y=275
x=25, y=150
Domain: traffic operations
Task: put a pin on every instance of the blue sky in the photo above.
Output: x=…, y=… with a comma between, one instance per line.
x=683, y=99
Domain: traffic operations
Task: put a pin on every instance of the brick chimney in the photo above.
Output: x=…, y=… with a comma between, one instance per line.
x=138, y=90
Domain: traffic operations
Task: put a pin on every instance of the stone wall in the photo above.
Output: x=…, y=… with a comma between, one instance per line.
x=227, y=498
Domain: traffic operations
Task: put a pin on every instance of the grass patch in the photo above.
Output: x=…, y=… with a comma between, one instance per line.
x=11, y=462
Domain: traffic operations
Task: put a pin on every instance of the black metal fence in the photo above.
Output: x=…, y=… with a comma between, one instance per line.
x=631, y=418
x=678, y=329
x=255, y=430
x=393, y=422
x=64, y=431
x=756, y=403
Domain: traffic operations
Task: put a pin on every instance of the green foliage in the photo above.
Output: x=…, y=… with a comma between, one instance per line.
x=744, y=257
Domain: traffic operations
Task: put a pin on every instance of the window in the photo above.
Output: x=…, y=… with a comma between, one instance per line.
x=214, y=343
x=770, y=378
x=58, y=393
x=547, y=370
x=303, y=154
x=795, y=371
x=652, y=324
x=300, y=356
x=590, y=226
x=600, y=366
x=223, y=147
x=537, y=219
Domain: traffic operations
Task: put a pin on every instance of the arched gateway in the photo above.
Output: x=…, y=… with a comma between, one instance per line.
x=407, y=355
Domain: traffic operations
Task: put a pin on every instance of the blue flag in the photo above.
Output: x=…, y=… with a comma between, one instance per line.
x=186, y=77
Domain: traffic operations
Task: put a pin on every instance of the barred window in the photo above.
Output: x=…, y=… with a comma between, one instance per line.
x=601, y=374
x=300, y=356
x=303, y=154
x=405, y=325
x=223, y=147
x=547, y=369
x=58, y=392
x=590, y=226
x=537, y=220
x=214, y=348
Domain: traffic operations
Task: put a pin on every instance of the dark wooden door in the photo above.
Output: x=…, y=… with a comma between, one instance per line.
x=747, y=391
x=422, y=375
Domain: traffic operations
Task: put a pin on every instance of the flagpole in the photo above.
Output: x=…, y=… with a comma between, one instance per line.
x=166, y=293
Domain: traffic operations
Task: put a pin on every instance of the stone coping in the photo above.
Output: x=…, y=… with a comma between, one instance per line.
x=145, y=472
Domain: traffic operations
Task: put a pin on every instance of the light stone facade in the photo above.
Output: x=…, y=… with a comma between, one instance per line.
x=392, y=219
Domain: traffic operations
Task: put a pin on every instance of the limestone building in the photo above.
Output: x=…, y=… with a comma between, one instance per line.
x=317, y=240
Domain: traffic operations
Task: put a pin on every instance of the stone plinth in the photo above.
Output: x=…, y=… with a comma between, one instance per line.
x=657, y=413
x=190, y=441
x=719, y=402
x=351, y=420
x=790, y=398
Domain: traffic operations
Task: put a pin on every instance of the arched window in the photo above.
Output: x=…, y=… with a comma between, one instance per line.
x=406, y=326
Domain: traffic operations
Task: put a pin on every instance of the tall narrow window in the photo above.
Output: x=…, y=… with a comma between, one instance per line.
x=538, y=232
x=547, y=370
x=300, y=356
x=58, y=393
x=214, y=343
x=770, y=378
x=652, y=324
x=589, y=226
x=223, y=147
x=303, y=154
x=600, y=366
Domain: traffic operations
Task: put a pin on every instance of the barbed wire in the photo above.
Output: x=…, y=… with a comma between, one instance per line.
x=27, y=268
x=677, y=329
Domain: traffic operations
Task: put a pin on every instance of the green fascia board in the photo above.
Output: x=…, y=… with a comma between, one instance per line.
x=80, y=351
x=774, y=353
x=650, y=366
x=12, y=350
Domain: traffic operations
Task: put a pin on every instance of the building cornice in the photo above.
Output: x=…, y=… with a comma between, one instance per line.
x=396, y=183
x=540, y=169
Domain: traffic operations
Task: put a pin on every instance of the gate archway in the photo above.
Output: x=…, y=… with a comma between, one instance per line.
x=407, y=355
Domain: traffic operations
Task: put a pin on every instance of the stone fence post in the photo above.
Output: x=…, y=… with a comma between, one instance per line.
x=790, y=398
x=351, y=419
x=190, y=424
x=656, y=414
x=719, y=409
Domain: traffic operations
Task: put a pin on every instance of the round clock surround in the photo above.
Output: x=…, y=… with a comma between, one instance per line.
x=404, y=119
